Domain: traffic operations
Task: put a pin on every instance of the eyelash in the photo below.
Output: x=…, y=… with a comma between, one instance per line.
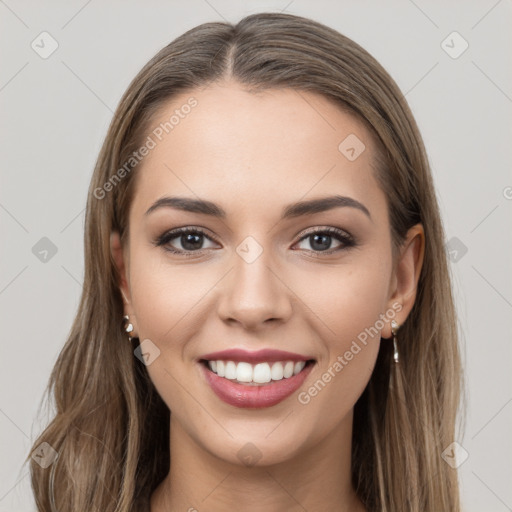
x=345, y=238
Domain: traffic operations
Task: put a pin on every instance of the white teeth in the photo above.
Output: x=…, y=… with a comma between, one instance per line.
x=277, y=371
x=260, y=373
x=230, y=370
x=244, y=372
x=288, y=370
x=299, y=365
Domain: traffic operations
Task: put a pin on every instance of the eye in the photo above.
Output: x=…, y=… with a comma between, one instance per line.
x=321, y=239
x=189, y=241
x=184, y=240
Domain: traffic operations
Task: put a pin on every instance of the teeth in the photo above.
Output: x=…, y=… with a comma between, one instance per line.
x=288, y=369
x=260, y=373
x=277, y=371
x=298, y=367
x=230, y=370
x=244, y=372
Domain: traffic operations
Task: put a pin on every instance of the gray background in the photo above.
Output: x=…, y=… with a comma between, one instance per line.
x=54, y=116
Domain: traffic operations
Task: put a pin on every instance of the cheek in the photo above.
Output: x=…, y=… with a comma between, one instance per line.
x=164, y=295
x=166, y=299
x=345, y=299
x=349, y=306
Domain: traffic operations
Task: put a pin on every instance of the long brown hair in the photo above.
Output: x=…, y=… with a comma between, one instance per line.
x=110, y=428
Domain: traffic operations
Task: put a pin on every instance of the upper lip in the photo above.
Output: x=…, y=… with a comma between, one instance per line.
x=258, y=356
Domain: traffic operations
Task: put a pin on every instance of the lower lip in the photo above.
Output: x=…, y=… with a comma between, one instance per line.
x=265, y=395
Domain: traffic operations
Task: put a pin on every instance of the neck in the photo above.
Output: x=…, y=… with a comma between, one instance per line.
x=317, y=478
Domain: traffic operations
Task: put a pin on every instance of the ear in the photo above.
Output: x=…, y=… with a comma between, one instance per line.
x=404, y=282
x=122, y=264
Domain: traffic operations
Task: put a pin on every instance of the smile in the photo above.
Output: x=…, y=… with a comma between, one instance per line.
x=255, y=374
x=254, y=379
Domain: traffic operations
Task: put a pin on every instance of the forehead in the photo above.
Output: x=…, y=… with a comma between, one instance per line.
x=254, y=149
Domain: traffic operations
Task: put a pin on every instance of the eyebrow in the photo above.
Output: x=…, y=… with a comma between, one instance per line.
x=298, y=209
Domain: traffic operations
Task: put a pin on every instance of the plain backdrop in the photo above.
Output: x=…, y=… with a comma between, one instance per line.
x=54, y=112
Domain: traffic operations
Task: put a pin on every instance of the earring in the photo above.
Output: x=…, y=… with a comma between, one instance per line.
x=394, y=330
x=128, y=326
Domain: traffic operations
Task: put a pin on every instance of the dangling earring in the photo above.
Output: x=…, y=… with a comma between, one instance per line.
x=128, y=326
x=394, y=330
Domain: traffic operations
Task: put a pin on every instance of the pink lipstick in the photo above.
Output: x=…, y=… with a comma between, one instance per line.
x=255, y=379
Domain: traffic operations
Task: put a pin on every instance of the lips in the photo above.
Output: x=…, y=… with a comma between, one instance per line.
x=254, y=379
x=259, y=356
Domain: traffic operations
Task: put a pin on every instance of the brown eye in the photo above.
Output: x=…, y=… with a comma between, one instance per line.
x=184, y=240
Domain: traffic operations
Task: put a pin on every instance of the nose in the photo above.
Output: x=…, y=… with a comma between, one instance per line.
x=254, y=295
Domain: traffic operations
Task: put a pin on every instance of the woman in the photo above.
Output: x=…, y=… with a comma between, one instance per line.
x=266, y=321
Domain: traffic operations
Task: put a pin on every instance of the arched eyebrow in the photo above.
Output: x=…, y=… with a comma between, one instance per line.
x=298, y=209
x=323, y=204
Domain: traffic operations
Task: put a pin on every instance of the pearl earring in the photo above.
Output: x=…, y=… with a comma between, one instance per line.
x=128, y=326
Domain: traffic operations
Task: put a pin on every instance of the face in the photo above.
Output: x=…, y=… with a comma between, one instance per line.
x=250, y=271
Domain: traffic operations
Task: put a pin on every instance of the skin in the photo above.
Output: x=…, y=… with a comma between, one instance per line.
x=253, y=154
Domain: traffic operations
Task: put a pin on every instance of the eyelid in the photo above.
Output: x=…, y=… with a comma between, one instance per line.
x=325, y=229
x=344, y=237
x=186, y=229
x=167, y=236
